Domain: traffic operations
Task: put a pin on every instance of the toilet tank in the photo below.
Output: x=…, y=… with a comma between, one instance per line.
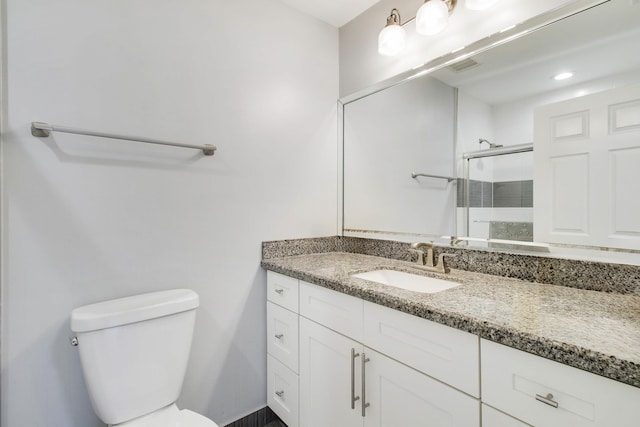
x=134, y=351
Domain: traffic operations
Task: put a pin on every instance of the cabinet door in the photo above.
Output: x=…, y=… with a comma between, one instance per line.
x=400, y=396
x=326, y=377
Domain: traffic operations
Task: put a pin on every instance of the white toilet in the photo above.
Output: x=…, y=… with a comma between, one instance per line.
x=134, y=354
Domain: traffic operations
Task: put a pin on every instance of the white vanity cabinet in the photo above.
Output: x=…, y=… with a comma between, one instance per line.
x=336, y=360
x=338, y=371
x=542, y=392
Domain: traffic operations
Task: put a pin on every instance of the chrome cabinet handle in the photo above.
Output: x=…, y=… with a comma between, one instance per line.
x=279, y=336
x=279, y=291
x=365, y=404
x=280, y=393
x=548, y=399
x=353, y=378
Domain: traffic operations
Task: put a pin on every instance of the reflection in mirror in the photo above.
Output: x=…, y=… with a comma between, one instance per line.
x=573, y=191
x=390, y=135
x=499, y=197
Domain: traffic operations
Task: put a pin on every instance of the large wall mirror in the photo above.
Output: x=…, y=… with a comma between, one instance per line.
x=500, y=150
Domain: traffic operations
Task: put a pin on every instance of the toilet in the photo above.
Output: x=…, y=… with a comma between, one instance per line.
x=134, y=354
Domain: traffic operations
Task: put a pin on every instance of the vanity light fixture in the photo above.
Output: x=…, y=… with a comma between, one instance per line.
x=432, y=17
x=393, y=37
x=563, y=76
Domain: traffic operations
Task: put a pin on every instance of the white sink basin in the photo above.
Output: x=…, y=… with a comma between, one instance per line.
x=408, y=281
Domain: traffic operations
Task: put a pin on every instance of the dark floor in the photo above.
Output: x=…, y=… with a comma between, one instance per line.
x=262, y=418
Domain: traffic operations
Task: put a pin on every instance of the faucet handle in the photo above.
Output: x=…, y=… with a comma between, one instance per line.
x=442, y=264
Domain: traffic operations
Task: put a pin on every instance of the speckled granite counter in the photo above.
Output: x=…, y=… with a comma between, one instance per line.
x=595, y=331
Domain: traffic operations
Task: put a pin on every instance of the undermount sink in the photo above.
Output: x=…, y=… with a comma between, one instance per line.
x=408, y=281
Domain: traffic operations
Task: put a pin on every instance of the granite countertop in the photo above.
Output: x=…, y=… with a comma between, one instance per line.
x=594, y=331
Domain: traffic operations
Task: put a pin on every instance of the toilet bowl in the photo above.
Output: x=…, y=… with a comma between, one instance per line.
x=170, y=416
x=134, y=354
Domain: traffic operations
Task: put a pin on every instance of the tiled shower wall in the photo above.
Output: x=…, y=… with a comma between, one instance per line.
x=506, y=194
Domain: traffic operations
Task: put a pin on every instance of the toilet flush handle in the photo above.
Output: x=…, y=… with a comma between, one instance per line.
x=74, y=341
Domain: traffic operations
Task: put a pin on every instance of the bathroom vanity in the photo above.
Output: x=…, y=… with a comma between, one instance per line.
x=494, y=351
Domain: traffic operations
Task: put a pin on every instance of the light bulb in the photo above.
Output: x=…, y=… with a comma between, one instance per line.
x=479, y=4
x=432, y=17
x=391, y=40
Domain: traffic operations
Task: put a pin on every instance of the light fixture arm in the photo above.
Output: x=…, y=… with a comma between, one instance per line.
x=451, y=4
x=394, y=18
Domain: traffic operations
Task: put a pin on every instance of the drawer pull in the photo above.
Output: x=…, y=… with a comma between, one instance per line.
x=548, y=399
x=279, y=291
x=364, y=402
x=280, y=393
x=353, y=378
x=279, y=336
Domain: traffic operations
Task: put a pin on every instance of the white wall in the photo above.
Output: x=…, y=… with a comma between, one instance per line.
x=361, y=65
x=87, y=220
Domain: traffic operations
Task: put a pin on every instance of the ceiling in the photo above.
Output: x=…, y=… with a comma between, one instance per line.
x=333, y=12
x=596, y=44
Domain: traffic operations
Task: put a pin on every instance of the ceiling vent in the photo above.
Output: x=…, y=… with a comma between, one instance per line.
x=463, y=65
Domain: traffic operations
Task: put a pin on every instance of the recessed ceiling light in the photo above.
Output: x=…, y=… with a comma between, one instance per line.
x=563, y=76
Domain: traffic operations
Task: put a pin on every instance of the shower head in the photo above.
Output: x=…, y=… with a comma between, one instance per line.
x=491, y=145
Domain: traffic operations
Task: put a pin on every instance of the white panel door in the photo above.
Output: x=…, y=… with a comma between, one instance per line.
x=326, y=376
x=400, y=396
x=587, y=152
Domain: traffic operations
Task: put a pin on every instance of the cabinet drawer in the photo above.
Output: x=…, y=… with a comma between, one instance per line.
x=282, y=335
x=282, y=391
x=513, y=381
x=340, y=312
x=494, y=418
x=439, y=351
x=282, y=290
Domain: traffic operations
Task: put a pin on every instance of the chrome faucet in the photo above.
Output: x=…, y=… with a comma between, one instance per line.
x=427, y=263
